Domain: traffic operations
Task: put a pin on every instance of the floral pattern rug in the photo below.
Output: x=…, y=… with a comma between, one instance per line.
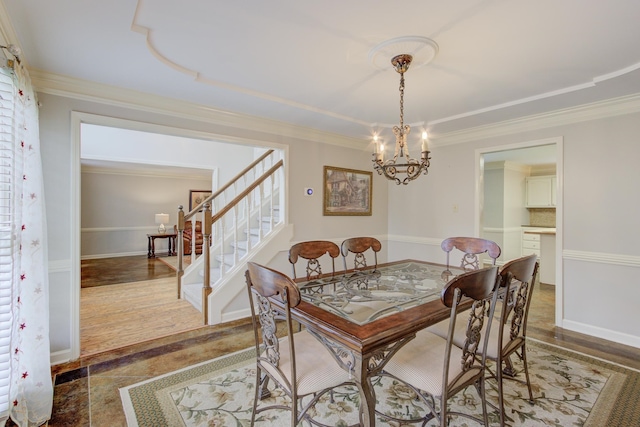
x=569, y=389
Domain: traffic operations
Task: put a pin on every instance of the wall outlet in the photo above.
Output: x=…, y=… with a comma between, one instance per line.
x=308, y=191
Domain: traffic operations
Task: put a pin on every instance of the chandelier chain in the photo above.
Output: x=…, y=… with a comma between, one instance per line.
x=402, y=101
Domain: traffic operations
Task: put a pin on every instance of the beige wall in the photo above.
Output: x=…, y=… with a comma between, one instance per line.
x=597, y=225
x=118, y=207
x=305, y=161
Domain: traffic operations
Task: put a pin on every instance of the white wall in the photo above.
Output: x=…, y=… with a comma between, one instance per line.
x=503, y=211
x=132, y=146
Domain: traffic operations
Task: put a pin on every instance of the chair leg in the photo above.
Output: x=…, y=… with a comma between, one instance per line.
x=256, y=396
x=444, y=422
x=509, y=370
x=263, y=386
x=500, y=390
x=483, y=398
x=294, y=410
x=526, y=371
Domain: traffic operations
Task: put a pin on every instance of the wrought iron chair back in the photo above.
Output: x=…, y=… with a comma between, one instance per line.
x=358, y=246
x=312, y=252
x=471, y=248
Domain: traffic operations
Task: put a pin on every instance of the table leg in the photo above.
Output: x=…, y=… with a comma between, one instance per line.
x=153, y=247
x=367, y=394
x=150, y=252
x=172, y=246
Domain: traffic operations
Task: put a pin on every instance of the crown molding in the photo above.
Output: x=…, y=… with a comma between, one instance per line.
x=59, y=85
x=69, y=87
x=598, y=110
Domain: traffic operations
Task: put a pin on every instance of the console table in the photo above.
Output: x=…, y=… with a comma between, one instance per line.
x=151, y=246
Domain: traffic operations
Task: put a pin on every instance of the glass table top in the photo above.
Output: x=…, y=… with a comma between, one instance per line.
x=362, y=297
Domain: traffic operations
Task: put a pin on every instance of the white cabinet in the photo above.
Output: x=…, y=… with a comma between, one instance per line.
x=530, y=244
x=541, y=192
x=547, y=259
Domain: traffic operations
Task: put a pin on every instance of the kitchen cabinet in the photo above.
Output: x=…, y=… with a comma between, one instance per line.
x=541, y=191
x=548, y=259
x=542, y=242
x=530, y=244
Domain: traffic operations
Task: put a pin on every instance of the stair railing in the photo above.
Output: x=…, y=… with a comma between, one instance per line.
x=244, y=206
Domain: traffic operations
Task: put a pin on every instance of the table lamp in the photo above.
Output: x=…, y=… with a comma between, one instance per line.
x=162, y=219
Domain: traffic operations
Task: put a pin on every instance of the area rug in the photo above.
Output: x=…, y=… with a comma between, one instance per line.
x=570, y=389
x=172, y=261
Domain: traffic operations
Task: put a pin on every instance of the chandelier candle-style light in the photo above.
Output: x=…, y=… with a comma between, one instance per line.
x=401, y=168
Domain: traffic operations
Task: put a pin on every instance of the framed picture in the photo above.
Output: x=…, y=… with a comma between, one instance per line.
x=347, y=191
x=196, y=197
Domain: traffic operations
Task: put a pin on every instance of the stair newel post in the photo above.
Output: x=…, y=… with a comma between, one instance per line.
x=206, y=252
x=180, y=249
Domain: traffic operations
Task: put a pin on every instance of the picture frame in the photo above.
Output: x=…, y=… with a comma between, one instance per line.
x=196, y=197
x=347, y=192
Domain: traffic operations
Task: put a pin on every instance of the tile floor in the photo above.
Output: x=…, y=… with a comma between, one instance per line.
x=86, y=392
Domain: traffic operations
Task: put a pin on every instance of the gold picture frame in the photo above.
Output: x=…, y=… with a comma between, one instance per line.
x=196, y=197
x=347, y=192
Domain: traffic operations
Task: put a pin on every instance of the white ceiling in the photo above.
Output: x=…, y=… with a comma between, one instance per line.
x=307, y=62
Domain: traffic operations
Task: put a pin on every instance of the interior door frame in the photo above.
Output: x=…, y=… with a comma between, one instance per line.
x=479, y=201
x=77, y=119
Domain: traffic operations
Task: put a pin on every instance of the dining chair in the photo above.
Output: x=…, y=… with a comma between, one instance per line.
x=312, y=251
x=508, y=336
x=471, y=248
x=433, y=367
x=297, y=363
x=518, y=279
x=359, y=246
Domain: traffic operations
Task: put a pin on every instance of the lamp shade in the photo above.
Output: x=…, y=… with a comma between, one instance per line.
x=162, y=218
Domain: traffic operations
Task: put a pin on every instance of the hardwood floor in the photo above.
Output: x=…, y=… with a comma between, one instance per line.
x=107, y=271
x=87, y=390
x=128, y=300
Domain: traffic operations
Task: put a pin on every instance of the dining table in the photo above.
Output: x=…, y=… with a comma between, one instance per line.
x=363, y=317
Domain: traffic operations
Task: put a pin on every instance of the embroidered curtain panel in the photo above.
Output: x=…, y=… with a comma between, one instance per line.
x=26, y=391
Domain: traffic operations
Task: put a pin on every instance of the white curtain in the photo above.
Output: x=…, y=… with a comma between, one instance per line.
x=25, y=371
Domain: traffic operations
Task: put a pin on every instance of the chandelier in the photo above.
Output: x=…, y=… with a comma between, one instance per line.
x=402, y=168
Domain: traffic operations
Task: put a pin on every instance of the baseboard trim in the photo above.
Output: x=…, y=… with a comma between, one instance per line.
x=606, y=334
x=115, y=255
x=236, y=315
x=60, y=357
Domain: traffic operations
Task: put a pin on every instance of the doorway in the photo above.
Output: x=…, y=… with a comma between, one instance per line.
x=149, y=161
x=520, y=160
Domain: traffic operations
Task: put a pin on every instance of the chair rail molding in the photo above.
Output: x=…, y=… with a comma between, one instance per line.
x=602, y=258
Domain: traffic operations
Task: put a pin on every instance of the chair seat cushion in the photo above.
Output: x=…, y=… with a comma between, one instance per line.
x=441, y=329
x=421, y=362
x=315, y=366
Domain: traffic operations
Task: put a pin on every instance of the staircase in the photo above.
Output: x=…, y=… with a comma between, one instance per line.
x=243, y=221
